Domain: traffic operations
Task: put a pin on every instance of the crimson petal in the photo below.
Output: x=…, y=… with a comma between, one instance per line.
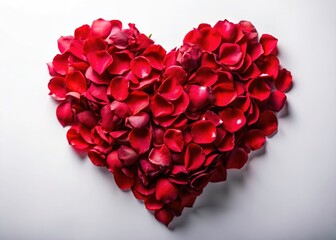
x=224, y=93
x=160, y=106
x=237, y=159
x=259, y=89
x=173, y=138
x=203, y=132
x=100, y=60
x=75, y=82
x=137, y=100
x=165, y=191
x=268, y=123
x=140, y=67
x=127, y=155
x=160, y=156
x=284, y=80
x=233, y=119
x=254, y=139
x=230, y=54
x=164, y=216
x=65, y=114
x=277, y=100
x=268, y=43
x=119, y=88
x=194, y=157
x=170, y=89
x=140, y=139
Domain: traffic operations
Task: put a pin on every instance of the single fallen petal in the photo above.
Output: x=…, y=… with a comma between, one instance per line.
x=65, y=114
x=140, y=67
x=284, y=80
x=75, y=82
x=165, y=191
x=268, y=43
x=57, y=87
x=160, y=106
x=100, y=60
x=268, y=123
x=237, y=159
x=170, y=89
x=101, y=28
x=203, y=132
x=254, y=139
x=160, y=156
x=194, y=157
x=164, y=216
x=230, y=54
x=224, y=93
x=127, y=155
x=137, y=100
x=119, y=88
x=64, y=43
x=97, y=158
x=208, y=39
x=139, y=120
x=199, y=97
x=173, y=139
x=120, y=64
x=259, y=89
x=233, y=119
x=277, y=101
x=140, y=139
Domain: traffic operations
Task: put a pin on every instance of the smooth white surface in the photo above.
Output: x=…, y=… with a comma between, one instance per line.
x=47, y=192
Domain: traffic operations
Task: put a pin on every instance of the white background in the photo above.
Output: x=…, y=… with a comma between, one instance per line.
x=48, y=192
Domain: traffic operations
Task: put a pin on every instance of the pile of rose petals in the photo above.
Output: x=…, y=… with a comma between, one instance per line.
x=167, y=124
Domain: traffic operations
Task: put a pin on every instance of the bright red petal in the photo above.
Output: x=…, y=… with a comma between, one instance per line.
x=194, y=157
x=203, y=132
x=75, y=82
x=230, y=54
x=254, y=139
x=140, y=139
x=100, y=60
x=160, y=156
x=165, y=191
x=140, y=67
x=173, y=138
x=119, y=88
x=233, y=119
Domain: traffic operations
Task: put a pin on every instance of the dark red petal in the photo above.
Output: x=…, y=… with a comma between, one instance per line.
x=120, y=64
x=87, y=118
x=75, y=82
x=64, y=43
x=119, y=88
x=57, y=88
x=228, y=142
x=268, y=43
x=203, y=132
x=170, y=89
x=237, y=159
x=65, y=114
x=176, y=72
x=139, y=120
x=164, y=216
x=268, y=123
x=219, y=174
x=152, y=204
x=76, y=140
x=199, y=97
x=224, y=93
x=137, y=100
x=259, y=89
x=60, y=63
x=194, y=157
x=140, y=67
x=173, y=138
x=212, y=116
x=230, y=54
x=165, y=191
x=270, y=66
x=276, y=101
x=255, y=50
x=160, y=156
x=101, y=28
x=113, y=162
x=82, y=32
x=97, y=158
x=208, y=39
x=120, y=108
x=160, y=106
x=227, y=30
x=155, y=55
x=206, y=76
x=100, y=60
x=124, y=182
x=233, y=119
x=254, y=139
x=284, y=80
x=140, y=139
x=127, y=155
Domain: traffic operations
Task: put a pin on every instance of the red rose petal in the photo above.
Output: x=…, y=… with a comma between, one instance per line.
x=60, y=63
x=94, y=44
x=64, y=43
x=124, y=182
x=160, y=156
x=284, y=80
x=237, y=159
x=224, y=93
x=95, y=77
x=76, y=140
x=233, y=119
x=170, y=89
x=268, y=43
x=165, y=191
x=194, y=157
x=199, y=97
x=203, y=132
x=65, y=114
x=87, y=118
x=227, y=30
x=212, y=116
x=160, y=106
x=140, y=67
x=140, y=139
x=230, y=54
x=173, y=138
x=164, y=216
x=180, y=104
x=259, y=89
x=139, y=120
x=137, y=100
x=155, y=55
x=120, y=64
x=75, y=82
x=254, y=139
x=113, y=162
x=119, y=88
x=228, y=142
x=100, y=60
x=97, y=158
x=270, y=66
x=127, y=155
x=101, y=28
x=208, y=39
x=277, y=101
x=268, y=123
x=57, y=88
x=206, y=76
